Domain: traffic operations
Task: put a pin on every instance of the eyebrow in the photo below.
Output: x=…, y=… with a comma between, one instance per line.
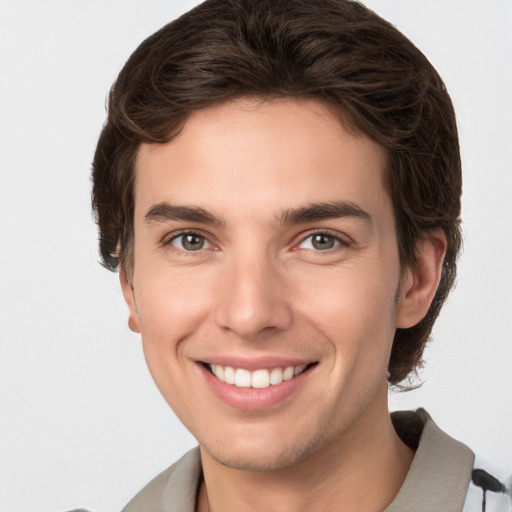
x=162, y=212
x=321, y=211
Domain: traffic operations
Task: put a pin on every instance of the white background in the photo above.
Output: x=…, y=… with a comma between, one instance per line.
x=81, y=423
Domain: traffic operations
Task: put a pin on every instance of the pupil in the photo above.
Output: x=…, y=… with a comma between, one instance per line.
x=323, y=242
x=193, y=242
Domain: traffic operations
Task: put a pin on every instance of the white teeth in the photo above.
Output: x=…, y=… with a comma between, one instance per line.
x=260, y=379
x=276, y=376
x=288, y=373
x=243, y=378
x=299, y=369
x=218, y=371
x=263, y=378
x=229, y=375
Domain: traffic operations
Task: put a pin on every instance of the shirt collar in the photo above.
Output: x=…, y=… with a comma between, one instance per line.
x=440, y=473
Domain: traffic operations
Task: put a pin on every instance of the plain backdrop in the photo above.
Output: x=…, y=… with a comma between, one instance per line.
x=81, y=422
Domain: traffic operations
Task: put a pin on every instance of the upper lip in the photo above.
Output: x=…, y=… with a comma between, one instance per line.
x=256, y=363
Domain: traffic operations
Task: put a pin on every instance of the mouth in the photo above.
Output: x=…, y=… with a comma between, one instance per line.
x=259, y=378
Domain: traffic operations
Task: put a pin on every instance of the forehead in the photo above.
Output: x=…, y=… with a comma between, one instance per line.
x=252, y=156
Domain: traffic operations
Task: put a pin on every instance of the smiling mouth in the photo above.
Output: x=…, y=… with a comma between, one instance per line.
x=262, y=378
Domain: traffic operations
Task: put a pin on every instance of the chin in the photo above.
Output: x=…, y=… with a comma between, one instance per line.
x=265, y=456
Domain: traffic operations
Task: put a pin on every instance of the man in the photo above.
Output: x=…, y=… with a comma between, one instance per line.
x=279, y=184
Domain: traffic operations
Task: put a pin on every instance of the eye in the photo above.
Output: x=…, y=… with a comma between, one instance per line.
x=320, y=242
x=189, y=242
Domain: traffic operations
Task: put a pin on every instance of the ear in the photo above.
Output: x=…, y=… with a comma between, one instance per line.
x=129, y=297
x=419, y=282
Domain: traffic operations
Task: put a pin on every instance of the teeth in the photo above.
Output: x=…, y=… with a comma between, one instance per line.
x=243, y=378
x=288, y=373
x=229, y=375
x=218, y=371
x=276, y=376
x=258, y=379
x=299, y=369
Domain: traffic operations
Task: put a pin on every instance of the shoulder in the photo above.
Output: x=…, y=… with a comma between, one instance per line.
x=173, y=490
x=445, y=475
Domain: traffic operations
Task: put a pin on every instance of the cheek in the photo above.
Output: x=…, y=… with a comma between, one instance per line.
x=173, y=298
x=355, y=314
x=171, y=307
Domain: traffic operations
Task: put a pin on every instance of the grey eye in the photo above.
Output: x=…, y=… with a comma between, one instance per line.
x=189, y=242
x=322, y=242
x=319, y=242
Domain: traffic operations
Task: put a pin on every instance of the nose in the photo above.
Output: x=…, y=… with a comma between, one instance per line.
x=252, y=300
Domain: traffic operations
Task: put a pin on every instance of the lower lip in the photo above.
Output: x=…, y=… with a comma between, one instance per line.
x=254, y=398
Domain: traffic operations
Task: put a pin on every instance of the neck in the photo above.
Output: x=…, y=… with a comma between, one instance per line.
x=361, y=470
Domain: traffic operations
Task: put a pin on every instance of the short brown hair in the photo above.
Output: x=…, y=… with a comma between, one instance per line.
x=336, y=51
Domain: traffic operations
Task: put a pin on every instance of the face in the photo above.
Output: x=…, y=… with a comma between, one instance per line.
x=265, y=280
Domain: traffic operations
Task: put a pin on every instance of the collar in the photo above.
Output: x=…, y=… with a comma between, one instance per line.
x=440, y=472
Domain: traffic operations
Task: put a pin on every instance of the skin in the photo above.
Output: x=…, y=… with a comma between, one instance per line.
x=260, y=288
